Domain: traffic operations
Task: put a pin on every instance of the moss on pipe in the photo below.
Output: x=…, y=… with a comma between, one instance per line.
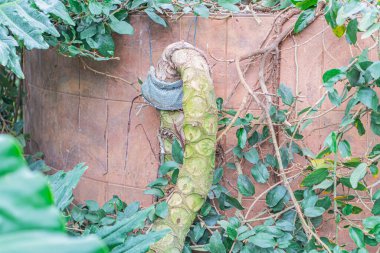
x=181, y=60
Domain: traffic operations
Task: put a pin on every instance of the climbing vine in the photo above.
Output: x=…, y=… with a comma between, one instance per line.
x=333, y=184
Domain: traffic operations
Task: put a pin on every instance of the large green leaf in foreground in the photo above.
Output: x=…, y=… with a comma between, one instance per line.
x=29, y=221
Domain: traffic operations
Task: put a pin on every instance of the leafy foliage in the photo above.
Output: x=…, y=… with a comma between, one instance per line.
x=30, y=222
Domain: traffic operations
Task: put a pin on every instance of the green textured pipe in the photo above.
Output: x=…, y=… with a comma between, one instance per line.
x=181, y=60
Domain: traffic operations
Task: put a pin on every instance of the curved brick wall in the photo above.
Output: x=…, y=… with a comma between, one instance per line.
x=74, y=115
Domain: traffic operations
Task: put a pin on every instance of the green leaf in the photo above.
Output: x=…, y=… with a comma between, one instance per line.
x=306, y=4
x=29, y=220
x=47, y=242
x=352, y=30
x=202, y=11
x=376, y=207
x=331, y=142
x=275, y=195
x=260, y=173
x=63, y=183
x=375, y=122
x=374, y=69
x=263, y=240
x=56, y=8
x=315, y=177
x=155, y=191
x=115, y=235
x=245, y=186
x=121, y=27
x=231, y=200
x=8, y=54
x=153, y=16
x=216, y=244
x=371, y=222
x=344, y=149
x=368, y=97
x=140, y=243
x=158, y=182
x=95, y=7
x=346, y=182
x=27, y=23
x=357, y=236
x=252, y=156
x=162, y=210
x=167, y=167
x=331, y=76
x=359, y=126
x=229, y=5
x=218, y=174
x=358, y=174
x=286, y=94
x=348, y=10
x=137, y=3
x=177, y=152
x=241, y=135
x=315, y=211
x=304, y=20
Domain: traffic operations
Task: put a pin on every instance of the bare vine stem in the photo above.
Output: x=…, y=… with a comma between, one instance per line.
x=298, y=209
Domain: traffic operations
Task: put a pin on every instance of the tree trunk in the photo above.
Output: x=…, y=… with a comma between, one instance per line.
x=182, y=61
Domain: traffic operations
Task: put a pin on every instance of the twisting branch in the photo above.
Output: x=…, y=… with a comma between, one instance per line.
x=298, y=209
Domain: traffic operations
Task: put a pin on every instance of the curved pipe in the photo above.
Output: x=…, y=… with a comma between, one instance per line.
x=183, y=61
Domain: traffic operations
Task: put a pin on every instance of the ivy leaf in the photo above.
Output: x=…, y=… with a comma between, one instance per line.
x=352, y=30
x=95, y=7
x=121, y=27
x=358, y=174
x=375, y=122
x=156, y=192
x=252, y=156
x=177, y=152
x=216, y=243
x=218, y=174
x=202, y=11
x=229, y=5
x=344, y=149
x=376, y=207
x=374, y=70
x=313, y=212
x=359, y=126
x=306, y=4
x=368, y=97
x=230, y=200
x=371, y=222
x=241, y=135
x=153, y=16
x=167, y=167
x=263, y=240
x=304, y=20
x=260, y=173
x=286, y=94
x=275, y=195
x=331, y=76
x=357, y=236
x=162, y=210
x=245, y=186
x=348, y=10
x=331, y=142
x=158, y=182
x=315, y=177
